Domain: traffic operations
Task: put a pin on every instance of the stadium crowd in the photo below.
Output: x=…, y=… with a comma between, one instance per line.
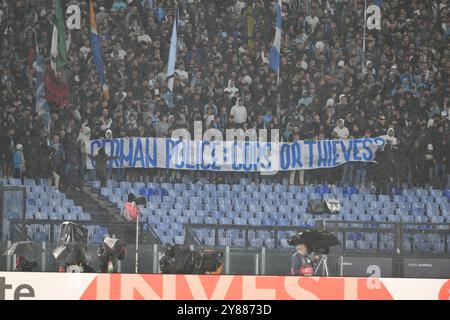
x=328, y=88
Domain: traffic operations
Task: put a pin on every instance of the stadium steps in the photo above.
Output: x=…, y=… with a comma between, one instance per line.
x=104, y=212
x=101, y=211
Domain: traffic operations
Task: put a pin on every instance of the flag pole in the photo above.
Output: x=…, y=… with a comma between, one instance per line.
x=364, y=37
x=136, y=265
x=279, y=58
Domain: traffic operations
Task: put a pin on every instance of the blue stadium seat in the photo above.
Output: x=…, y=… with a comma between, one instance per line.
x=254, y=208
x=412, y=198
x=422, y=192
x=240, y=207
x=256, y=243
x=291, y=189
x=180, y=205
x=264, y=188
x=269, y=221
x=445, y=210
x=286, y=196
x=257, y=195
x=174, y=193
x=215, y=194
x=379, y=218
x=174, y=212
x=336, y=190
x=405, y=205
x=432, y=209
x=441, y=200
x=418, y=211
x=437, y=219
x=399, y=198
x=237, y=201
x=349, y=190
x=394, y=218
x=249, y=201
x=166, y=205
x=356, y=198
x=446, y=193
x=224, y=201
x=225, y=220
x=384, y=198
x=245, y=194
x=218, y=214
x=254, y=221
x=225, y=207
x=223, y=187
x=350, y=244
x=322, y=189
x=301, y=196
x=402, y=211
x=240, y=221
x=284, y=210
x=181, y=219
x=407, y=219
x=365, y=217
x=283, y=222
x=420, y=219
x=201, y=213
x=435, y=193
x=209, y=220
x=70, y=216
x=370, y=197
x=426, y=199
x=315, y=196
x=375, y=204
x=210, y=206
x=282, y=188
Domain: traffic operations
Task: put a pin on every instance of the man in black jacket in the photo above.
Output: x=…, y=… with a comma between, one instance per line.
x=100, y=164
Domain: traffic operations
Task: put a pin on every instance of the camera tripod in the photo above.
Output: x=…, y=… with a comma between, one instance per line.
x=322, y=263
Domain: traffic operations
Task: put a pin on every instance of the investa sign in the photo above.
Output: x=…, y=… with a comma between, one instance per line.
x=54, y=286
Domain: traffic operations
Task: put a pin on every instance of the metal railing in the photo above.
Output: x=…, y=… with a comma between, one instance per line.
x=342, y=229
x=127, y=231
x=192, y=239
x=342, y=261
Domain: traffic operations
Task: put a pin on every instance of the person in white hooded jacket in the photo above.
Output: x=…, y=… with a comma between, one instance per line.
x=84, y=136
x=83, y=139
x=239, y=112
x=389, y=137
x=231, y=89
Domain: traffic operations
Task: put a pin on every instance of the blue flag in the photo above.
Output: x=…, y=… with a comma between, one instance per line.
x=172, y=55
x=275, y=53
x=97, y=50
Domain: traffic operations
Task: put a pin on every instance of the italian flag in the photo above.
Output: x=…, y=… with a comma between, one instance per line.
x=56, y=88
x=59, y=56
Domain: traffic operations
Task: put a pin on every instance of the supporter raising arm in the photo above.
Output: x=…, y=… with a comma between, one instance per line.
x=100, y=162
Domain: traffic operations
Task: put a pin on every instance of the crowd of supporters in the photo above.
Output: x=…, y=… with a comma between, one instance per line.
x=328, y=87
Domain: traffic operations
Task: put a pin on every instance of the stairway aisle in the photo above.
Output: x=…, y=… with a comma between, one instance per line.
x=101, y=210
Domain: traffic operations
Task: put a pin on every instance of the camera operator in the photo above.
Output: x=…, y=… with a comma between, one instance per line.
x=302, y=264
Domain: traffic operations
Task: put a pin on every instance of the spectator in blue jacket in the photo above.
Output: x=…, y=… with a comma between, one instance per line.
x=18, y=162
